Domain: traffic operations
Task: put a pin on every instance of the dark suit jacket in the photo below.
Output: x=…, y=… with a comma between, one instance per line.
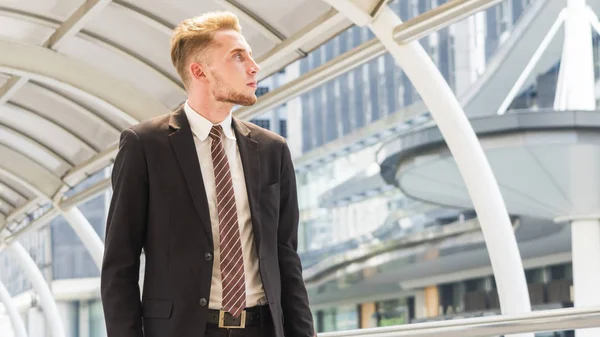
x=159, y=205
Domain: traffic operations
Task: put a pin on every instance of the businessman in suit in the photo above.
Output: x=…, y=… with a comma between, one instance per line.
x=211, y=200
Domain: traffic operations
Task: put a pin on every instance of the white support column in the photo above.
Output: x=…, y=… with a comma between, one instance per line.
x=40, y=285
x=15, y=318
x=585, y=246
x=86, y=234
x=575, y=90
x=84, y=319
x=468, y=153
x=576, y=86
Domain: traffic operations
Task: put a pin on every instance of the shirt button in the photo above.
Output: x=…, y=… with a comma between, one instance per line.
x=203, y=302
x=208, y=257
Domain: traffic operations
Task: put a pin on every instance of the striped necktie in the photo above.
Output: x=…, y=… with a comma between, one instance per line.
x=232, y=262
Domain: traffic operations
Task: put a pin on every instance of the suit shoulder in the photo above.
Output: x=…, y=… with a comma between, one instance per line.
x=152, y=127
x=264, y=135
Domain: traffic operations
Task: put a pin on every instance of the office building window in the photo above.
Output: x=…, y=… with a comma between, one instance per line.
x=391, y=85
x=304, y=66
x=96, y=319
x=347, y=317
x=330, y=50
x=306, y=130
x=595, y=48
x=491, y=38
x=261, y=91
x=407, y=90
x=330, y=118
x=451, y=64
x=317, y=117
x=263, y=123
x=374, y=92
x=343, y=43
x=283, y=128
x=345, y=115
x=391, y=312
x=504, y=17
x=404, y=10
x=356, y=37
x=359, y=112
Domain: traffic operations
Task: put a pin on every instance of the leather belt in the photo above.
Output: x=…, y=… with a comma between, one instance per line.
x=255, y=316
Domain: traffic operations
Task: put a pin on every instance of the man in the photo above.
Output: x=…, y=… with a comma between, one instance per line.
x=212, y=202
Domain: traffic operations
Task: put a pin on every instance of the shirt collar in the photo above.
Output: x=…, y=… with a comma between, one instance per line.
x=201, y=126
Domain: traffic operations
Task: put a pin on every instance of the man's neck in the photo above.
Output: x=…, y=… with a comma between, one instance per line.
x=215, y=112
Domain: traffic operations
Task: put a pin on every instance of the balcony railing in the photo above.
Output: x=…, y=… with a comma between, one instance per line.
x=537, y=321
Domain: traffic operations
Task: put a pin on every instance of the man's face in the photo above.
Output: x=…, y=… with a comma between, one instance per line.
x=230, y=69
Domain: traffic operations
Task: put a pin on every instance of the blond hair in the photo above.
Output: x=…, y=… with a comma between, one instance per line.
x=193, y=36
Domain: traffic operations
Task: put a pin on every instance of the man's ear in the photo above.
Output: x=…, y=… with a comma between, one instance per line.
x=197, y=70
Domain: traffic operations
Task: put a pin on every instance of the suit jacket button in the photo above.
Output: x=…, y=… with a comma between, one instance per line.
x=203, y=302
x=208, y=257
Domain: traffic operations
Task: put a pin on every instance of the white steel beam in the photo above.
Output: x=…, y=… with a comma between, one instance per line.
x=75, y=23
x=466, y=150
x=10, y=193
x=69, y=28
x=271, y=61
x=27, y=207
x=149, y=18
x=257, y=23
x=439, y=17
x=15, y=318
x=87, y=194
x=86, y=233
x=35, y=144
x=77, y=107
x=85, y=169
x=8, y=90
x=9, y=204
x=33, y=226
x=64, y=72
x=96, y=39
x=576, y=75
x=531, y=63
x=313, y=78
x=27, y=173
x=80, y=142
x=41, y=287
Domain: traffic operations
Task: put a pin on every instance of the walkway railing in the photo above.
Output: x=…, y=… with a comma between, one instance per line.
x=538, y=321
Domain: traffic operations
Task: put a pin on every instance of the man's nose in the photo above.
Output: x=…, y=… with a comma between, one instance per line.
x=254, y=67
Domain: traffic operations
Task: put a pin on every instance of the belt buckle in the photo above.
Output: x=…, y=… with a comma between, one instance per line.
x=222, y=321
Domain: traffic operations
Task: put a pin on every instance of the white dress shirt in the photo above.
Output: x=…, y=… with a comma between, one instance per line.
x=201, y=127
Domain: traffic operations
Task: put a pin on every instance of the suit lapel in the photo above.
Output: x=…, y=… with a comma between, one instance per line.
x=250, y=155
x=182, y=142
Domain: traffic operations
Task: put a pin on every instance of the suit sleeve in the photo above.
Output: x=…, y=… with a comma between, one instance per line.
x=125, y=231
x=298, y=320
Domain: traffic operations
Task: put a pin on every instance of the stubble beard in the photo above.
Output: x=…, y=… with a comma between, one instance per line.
x=226, y=95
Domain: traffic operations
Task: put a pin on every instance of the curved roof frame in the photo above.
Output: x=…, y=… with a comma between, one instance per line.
x=65, y=101
x=113, y=95
x=104, y=43
x=22, y=72
x=84, y=143
x=38, y=146
x=73, y=80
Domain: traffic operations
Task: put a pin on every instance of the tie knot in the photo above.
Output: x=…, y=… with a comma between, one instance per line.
x=215, y=132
